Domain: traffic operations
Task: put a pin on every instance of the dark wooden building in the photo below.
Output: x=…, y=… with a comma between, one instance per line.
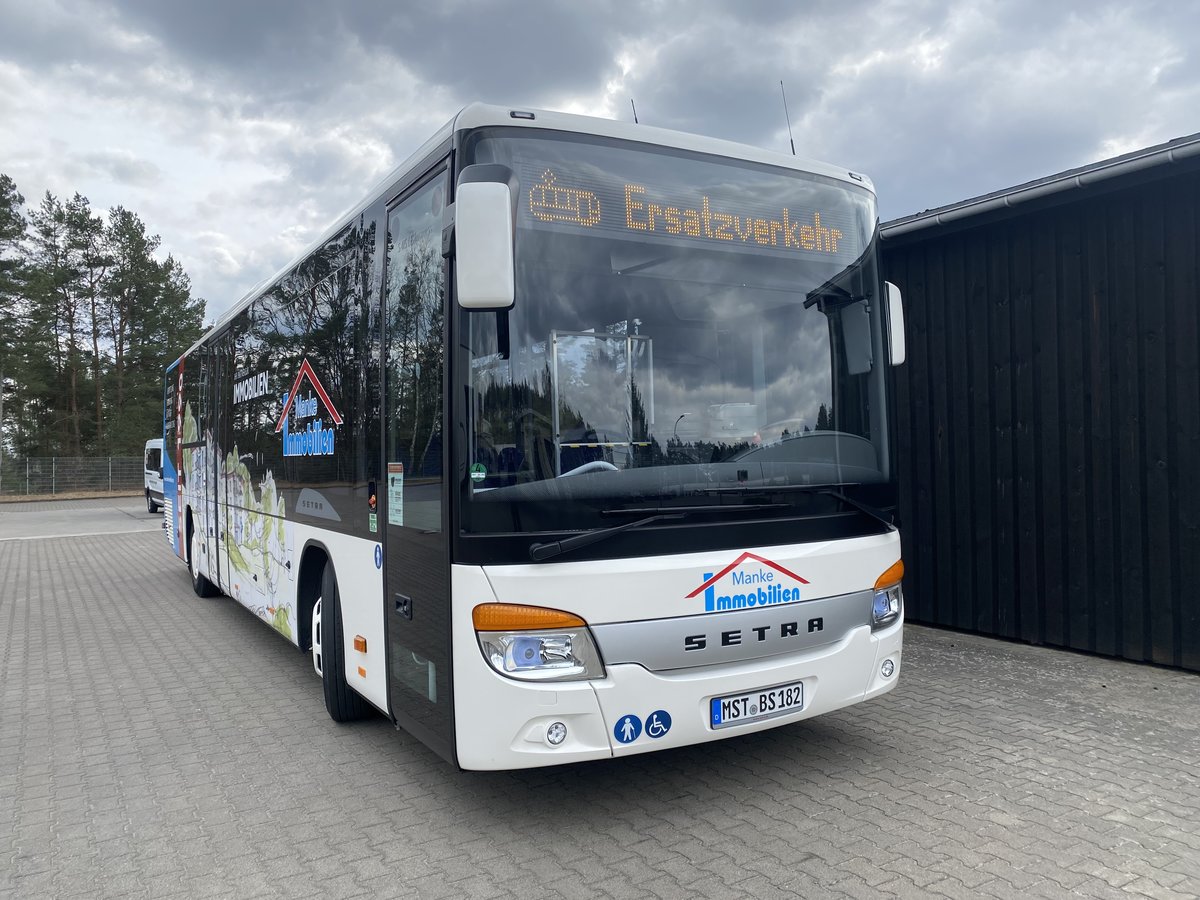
x=1049, y=412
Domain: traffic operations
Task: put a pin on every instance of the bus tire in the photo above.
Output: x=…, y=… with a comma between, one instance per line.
x=343, y=703
x=201, y=585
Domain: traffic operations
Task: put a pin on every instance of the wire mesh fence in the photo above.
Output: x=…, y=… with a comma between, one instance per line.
x=49, y=476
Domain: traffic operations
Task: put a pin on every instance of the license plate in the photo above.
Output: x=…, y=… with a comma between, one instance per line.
x=754, y=706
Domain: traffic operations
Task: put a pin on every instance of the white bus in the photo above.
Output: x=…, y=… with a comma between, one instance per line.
x=569, y=442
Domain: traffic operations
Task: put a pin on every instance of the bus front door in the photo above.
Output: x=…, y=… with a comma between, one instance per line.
x=417, y=567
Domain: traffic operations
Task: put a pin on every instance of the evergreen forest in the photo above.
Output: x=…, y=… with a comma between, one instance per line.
x=90, y=316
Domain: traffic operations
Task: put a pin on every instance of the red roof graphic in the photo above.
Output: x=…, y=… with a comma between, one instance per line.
x=306, y=369
x=737, y=562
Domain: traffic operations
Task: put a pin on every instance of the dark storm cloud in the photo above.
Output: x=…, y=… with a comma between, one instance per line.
x=715, y=68
x=297, y=50
x=498, y=51
x=42, y=35
x=273, y=51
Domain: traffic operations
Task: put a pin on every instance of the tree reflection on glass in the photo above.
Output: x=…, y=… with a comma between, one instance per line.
x=416, y=326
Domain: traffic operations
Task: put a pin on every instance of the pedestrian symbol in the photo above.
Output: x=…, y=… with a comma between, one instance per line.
x=628, y=729
x=658, y=723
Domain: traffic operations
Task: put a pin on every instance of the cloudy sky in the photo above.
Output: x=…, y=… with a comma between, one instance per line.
x=239, y=130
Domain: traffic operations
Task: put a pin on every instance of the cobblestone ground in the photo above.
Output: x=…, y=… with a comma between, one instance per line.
x=156, y=744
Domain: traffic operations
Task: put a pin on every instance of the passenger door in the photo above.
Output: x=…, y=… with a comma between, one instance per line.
x=416, y=547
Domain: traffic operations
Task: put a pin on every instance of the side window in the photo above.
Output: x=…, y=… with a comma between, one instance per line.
x=169, y=387
x=414, y=355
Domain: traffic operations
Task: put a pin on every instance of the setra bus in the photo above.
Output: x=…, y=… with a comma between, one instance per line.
x=571, y=441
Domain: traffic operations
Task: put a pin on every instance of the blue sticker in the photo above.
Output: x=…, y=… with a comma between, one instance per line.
x=658, y=723
x=379, y=556
x=628, y=729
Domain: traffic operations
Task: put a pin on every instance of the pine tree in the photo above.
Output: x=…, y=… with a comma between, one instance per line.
x=163, y=320
x=89, y=251
x=100, y=317
x=57, y=319
x=132, y=292
x=823, y=419
x=12, y=230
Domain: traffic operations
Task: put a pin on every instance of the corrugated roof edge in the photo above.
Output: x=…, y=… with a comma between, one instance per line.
x=478, y=115
x=1172, y=151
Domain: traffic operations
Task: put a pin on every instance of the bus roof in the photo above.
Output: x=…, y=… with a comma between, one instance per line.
x=480, y=115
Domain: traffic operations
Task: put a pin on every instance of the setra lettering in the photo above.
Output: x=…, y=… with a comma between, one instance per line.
x=733, y=638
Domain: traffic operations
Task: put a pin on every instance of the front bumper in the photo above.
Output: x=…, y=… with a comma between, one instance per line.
x=501, y=723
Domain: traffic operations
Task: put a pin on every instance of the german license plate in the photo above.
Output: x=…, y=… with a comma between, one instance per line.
x=754, y=706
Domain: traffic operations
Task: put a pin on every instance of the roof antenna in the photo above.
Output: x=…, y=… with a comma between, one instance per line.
x=786, y=116
x=635, y=121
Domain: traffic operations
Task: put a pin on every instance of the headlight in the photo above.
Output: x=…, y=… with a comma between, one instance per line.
x=888, y=603
x=521, y=642
x=886, y=608
x=542, y=656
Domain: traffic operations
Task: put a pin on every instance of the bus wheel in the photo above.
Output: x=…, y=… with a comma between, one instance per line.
x=343, y=704
x=151, y=506
x=201, y=585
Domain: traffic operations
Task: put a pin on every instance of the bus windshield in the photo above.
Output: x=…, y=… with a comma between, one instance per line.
x=683, y=326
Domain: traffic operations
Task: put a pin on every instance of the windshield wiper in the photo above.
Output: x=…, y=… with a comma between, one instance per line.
x=540, y=551
x=866, y=509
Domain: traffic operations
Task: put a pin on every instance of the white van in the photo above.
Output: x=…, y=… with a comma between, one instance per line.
x=153, y=478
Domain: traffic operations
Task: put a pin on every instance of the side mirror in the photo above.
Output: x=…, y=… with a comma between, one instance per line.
x=483, y=240
x=895, y=324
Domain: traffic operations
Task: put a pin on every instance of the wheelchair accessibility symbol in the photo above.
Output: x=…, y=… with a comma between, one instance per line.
x=658, y=723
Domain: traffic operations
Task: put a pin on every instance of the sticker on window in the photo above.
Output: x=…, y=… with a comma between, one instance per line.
x=395, y=493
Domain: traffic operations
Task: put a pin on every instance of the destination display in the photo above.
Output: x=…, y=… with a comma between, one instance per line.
x=553, y=197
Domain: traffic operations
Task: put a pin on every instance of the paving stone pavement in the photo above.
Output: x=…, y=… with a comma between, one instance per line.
x=156, y=744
